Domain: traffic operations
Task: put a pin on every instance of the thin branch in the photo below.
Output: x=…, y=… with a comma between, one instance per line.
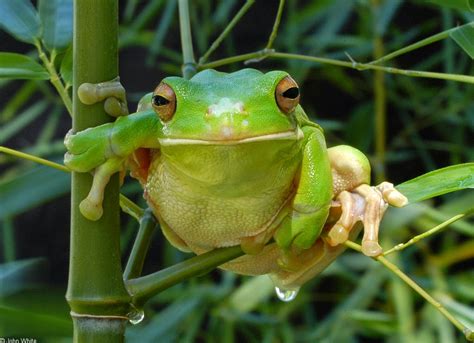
x=140, y=247
x=127, y=205
x=54, y=77
x=394, y=269
x=33, y=158
x=226, y=31
x=424, y=42
x=276, y=24
x=352, y=65
x=436, y=229
x=143, y=288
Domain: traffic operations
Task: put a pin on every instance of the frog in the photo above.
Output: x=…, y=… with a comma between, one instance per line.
x=232, y=159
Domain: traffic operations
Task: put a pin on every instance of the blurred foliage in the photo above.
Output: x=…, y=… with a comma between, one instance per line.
x=430, y=124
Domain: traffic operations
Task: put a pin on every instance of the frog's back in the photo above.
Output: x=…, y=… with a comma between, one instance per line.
x=216, y=195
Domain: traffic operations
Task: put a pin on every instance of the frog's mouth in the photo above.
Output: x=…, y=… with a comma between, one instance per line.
x=287, y=135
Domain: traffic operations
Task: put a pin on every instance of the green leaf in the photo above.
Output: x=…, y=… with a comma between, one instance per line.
x=66, y=67
x=31, y=188
x=21, y=120
x=38, y=323
x=56, y=18
x=464, y=5
x=17, y=66
x=19, y=18
x=438, y=182
x=18, y=275
x=464, y=36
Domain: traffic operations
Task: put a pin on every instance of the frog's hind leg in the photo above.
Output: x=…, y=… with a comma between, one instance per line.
x=357, y=200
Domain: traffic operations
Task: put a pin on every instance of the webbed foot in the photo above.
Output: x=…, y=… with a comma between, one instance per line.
x=366, y=204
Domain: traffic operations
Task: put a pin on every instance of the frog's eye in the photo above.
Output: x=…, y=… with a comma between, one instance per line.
x=164, y=101
x=287, y=94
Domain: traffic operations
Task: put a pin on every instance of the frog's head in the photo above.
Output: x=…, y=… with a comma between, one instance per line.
x=221, y=108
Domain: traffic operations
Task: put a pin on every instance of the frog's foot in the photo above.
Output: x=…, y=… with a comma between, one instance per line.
x=366, y=204
x=91, y=206
x=111, y=91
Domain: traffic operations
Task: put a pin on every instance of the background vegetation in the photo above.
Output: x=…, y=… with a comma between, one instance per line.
x=429, y=124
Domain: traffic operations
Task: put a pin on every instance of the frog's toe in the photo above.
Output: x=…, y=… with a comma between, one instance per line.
x=352, y=206
x=92, y=93
x=391, y=195
x=371, y=248
x=115, y=107
x=374, y=209
x=366, y=204
x=337, y=235
x=84, y=162
x=80, y=142
x=90, y=209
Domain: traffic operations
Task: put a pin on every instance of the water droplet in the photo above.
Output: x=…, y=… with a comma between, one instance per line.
x=286, y=295
x=136, y=316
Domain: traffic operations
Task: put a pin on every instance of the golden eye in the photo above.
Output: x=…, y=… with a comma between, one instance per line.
x=164, y=101
x=287, y=95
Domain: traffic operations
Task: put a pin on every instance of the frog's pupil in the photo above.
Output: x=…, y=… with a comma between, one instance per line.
x=159, y=100
x=291, y=93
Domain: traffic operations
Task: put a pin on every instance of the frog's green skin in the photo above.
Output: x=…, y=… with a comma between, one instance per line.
x=229, y=168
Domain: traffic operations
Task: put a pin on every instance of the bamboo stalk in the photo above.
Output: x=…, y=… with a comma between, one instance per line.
x=189, y=63
x=96, y=293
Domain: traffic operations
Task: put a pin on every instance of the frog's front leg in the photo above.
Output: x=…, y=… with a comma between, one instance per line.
x=111, y=91
x=310, y=206
x=104, y=150
x=358, y=201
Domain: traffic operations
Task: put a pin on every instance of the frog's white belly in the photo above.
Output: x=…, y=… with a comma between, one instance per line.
x=207, y=216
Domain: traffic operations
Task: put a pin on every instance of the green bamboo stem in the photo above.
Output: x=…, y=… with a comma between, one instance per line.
x=96, y=292
x=145, y=287
x=140, y=247
x=405, y=278
x=189, y=63
x=226, y=31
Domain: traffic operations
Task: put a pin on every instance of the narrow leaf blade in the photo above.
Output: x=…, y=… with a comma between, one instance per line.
x=463, y=5
x=464, y=37
x=17, y=66
x=20, y=19
x=56, y=19
x=32, y=188
x=18, y=275
x=438, y=182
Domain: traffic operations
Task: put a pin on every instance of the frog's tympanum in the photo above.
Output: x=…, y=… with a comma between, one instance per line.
x=232, y=159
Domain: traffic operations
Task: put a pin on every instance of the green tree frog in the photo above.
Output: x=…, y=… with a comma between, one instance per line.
x=231, y=159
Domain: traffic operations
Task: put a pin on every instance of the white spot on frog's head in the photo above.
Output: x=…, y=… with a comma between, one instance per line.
x=225, y=106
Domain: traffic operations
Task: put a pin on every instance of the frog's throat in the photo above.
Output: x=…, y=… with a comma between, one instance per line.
x=287, y=135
